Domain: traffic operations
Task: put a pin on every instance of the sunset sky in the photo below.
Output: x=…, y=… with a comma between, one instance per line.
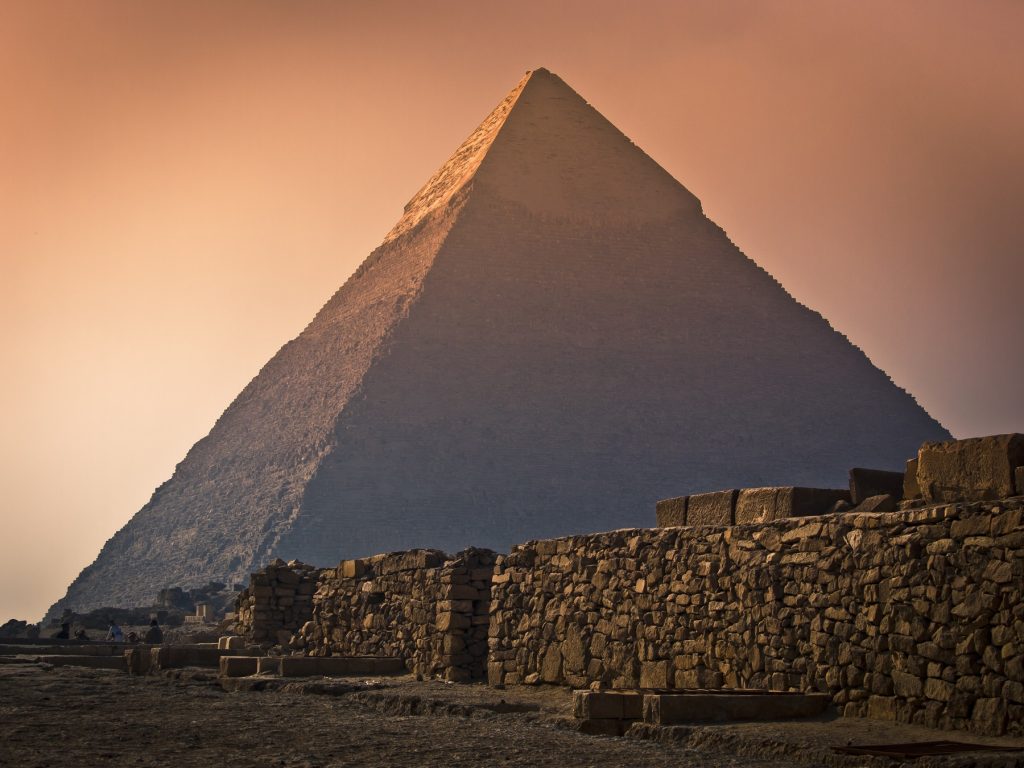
x=183, y=184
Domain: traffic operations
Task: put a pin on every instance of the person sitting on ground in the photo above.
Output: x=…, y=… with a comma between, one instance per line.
x=80, y=635
x=155, y=635
x=114, y=632
x=65, y=632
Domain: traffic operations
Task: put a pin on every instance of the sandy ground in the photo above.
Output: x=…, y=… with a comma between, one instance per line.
x=91, y=717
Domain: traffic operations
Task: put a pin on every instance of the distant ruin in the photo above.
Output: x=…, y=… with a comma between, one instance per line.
x=553, y=337
x=912, y=615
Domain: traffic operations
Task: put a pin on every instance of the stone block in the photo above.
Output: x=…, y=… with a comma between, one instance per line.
x=881, y=503
x=655, y=674
x=679, y=708
x=1018, y=482
x=911, y=490
x=93, y=662
x=760, y=505
x=137, y=660
x=865, y=483
x=976, y=469
x=238, y=666
x=414, y=560
x=671, y=512
x=716, y=508
x=177, y=656
x=268, y=665
x=605, y=705
x=319, y=666
x=351, y=569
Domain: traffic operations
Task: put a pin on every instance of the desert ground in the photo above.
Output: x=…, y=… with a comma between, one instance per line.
x=93, y=717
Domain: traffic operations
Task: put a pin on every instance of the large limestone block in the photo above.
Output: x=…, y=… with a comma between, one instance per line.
x=911, y=490
x=673, y=709
x=309, y=666
x=865, y=483
x=607, y=705
x=711, y=508
x=976, y=469
x=238, y=666
x=759, y=505
x=671, y=512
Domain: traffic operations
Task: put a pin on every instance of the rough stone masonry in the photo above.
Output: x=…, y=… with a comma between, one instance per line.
x=912, y=615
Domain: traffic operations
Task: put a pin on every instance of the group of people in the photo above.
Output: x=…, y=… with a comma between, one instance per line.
x=154, y=635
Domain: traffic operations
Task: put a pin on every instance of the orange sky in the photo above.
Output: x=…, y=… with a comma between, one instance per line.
x=184, y=183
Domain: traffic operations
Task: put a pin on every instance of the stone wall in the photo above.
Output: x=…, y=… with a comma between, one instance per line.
x=422, y=606
x=277, y=602
x=913, y=616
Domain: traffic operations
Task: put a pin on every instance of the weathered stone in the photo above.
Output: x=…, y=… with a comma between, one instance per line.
x=882, y=503
x=715, y=508
x=551, y=669
x=655, y=674
x=608, y=705
x=865, y=483
x=989, y=716
x=309, y=666
x=675, y=709
x=671, y=512
x=976, y=469
x=911, y=490
x=759, y=505
x=238, y=666
x=907, y=686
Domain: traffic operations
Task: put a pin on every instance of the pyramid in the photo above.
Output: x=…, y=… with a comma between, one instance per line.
x=551, y=338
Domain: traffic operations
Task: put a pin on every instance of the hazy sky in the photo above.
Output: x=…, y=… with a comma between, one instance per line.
x=183, y=184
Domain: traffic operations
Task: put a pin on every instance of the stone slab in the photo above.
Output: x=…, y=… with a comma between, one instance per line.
x=716, y=508
x=761, y=505
x=605, y=705
x=93, y=662
x=316, y=666
x=865, y=483
x=269, y=665
x=881, y=503
x=679, y=708
x=976, y=469
x=671, y=513
x=238, y=666
x=177, y=656
x=99, y=649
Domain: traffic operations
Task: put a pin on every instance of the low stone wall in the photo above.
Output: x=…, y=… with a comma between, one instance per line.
x=277, y=602
x=913, y=616
x=422, y=606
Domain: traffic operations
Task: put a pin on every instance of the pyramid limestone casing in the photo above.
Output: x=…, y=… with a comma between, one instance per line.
x=553, y=337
